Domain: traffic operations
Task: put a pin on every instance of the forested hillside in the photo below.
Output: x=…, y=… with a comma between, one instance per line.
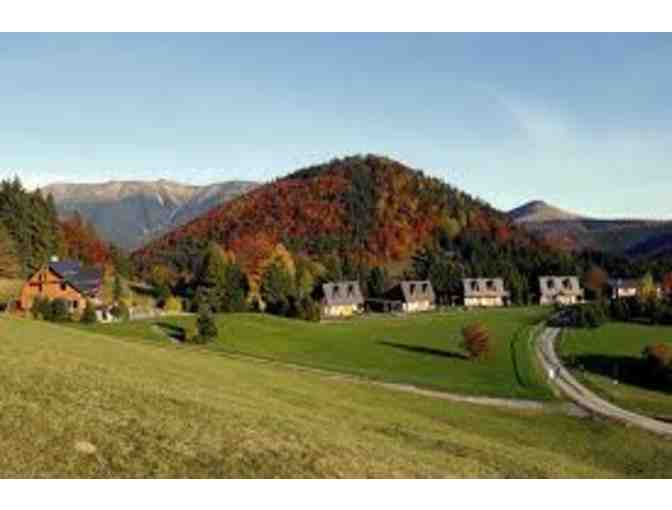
x=360, y=216
x=31, y=233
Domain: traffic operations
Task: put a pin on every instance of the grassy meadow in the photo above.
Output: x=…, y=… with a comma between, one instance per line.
x=613, y=352
x=77, y=404
x=422, y=349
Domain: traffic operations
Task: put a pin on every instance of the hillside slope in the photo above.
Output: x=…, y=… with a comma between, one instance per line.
x=77, y=404
x=130, y=213
x=575, y=232
x=369, y=208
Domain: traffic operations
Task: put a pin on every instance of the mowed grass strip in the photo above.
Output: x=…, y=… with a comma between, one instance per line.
x=80, y=405
x=421, y=349
x=613, y=353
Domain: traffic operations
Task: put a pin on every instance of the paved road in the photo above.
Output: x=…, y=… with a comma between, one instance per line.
x=562, y=379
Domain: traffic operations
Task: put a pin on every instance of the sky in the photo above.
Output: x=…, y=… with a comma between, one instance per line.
x=581, y=121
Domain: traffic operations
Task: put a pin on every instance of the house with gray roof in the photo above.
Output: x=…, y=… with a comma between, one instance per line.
x=414, y=295
x=485, y=292
x=341, y=299
x=66, y=280
x=564, y=290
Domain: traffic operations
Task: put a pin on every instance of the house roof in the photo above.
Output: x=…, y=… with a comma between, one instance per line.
x=484, y=287
x=412, y=291
x=342, y=293
x=623, y=283
x=86, y=281
x=560, y=285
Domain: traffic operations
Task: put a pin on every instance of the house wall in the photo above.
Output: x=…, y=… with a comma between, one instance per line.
x=339, y=310
x=418, y=306
x=483, y=301
x=46, y=283
x=559, y=299
x=624, y=293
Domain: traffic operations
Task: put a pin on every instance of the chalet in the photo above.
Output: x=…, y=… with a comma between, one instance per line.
x=414, y=296
x=62, y=280
x=485, y=292
x=341, y=299
x=622, y=288
x=563, y=290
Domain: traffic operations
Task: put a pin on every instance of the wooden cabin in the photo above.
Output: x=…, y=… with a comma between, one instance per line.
x=341, y=299
x=66, y=280
x=413, y=296
x=484, y=292
x=563, y=290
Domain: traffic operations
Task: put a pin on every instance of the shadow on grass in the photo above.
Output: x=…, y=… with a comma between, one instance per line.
x=173, y=331
x=425, y=350
x=627, y=369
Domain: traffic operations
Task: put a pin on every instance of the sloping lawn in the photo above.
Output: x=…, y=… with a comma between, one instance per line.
x=613, y=353
x=76, y=404
x=422, y=349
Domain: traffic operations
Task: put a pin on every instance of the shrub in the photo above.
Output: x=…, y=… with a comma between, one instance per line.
x=41, y=308
x=476, y=341
x=120, y=311
x=207, y=328
x=172, y=304
x=591, y=315
x=658, y=358
x=60, y=310
x=89, y=315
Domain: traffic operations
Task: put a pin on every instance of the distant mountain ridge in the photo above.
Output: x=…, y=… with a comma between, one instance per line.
x=132, y=213
x=631, y=237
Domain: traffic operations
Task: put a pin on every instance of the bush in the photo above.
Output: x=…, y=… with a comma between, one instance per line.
x=172, y=304
x=658, y=359
x=591, y=315
x=207, y=328
x=89, y=315
x=41, y=308
x=120, y=311
x=476, y=341
x=305, y=309
x=60, y=310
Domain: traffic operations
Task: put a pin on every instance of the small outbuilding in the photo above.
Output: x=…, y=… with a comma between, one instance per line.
x=563, y=290
x=486, y=292
x=341, y=299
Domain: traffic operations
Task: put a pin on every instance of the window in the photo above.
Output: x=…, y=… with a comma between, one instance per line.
x=75, y=304
x=64, y=286
x=550, y=284
x=567, y=283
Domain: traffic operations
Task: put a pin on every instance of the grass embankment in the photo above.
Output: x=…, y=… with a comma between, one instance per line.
x=613, y=353
x=421, y=349
x=80, y=404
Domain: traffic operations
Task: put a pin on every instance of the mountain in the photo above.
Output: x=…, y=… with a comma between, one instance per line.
x=574, y=232
x=131, y=213
x=369, y=209
x=538, y=211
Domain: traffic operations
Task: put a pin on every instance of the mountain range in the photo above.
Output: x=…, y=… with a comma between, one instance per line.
x=575, y=232
x=132, y=213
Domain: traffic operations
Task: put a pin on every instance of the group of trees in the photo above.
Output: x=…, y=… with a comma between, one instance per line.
x=31, y=233
x=29, y=226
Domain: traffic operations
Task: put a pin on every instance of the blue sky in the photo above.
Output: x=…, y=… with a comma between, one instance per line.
x=582, y=121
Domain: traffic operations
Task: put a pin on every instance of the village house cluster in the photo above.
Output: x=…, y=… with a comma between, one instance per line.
x=70, y=281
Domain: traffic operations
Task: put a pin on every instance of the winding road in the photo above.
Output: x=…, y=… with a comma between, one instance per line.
x=564, y=381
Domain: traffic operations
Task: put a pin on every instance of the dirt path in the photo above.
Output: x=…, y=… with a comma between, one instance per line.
x=564, y=381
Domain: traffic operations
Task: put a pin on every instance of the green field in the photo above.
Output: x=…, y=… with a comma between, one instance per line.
x=422, y=349
x=613, y=352
x=79, y=404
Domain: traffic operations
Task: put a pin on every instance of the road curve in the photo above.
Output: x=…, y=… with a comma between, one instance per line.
x=563, y=380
